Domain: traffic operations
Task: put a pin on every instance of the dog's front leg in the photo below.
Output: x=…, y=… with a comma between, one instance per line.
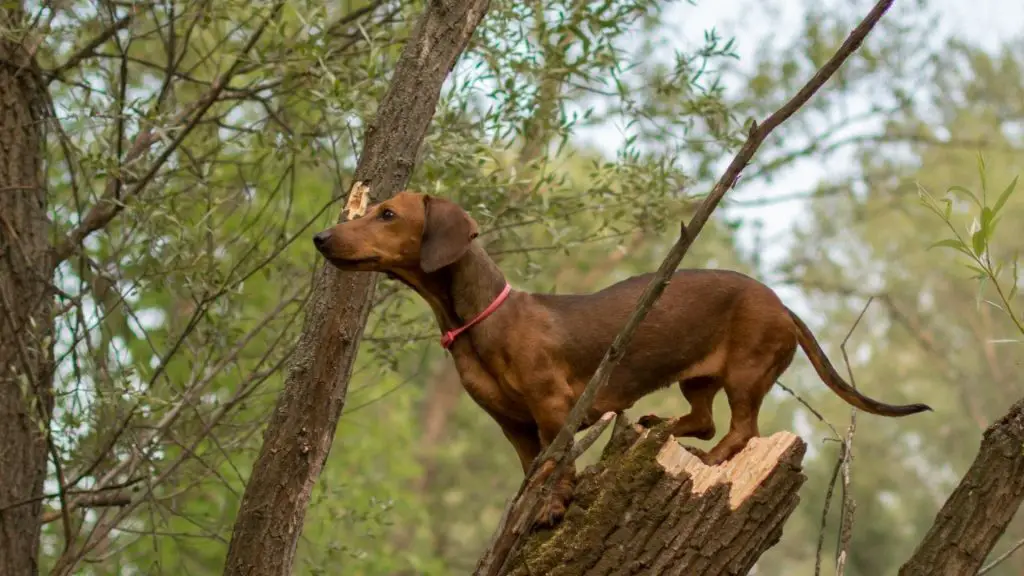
x=550, y=405
x=524, y=439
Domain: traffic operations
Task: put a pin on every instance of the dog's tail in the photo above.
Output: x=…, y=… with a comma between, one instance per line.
x=833, y=380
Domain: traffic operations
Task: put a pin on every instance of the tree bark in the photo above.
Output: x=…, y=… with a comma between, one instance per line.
x=26, y=326
x=651, y=507
x=980, y=508
x=301, y=430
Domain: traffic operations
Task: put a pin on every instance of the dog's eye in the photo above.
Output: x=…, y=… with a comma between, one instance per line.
x=386, y=214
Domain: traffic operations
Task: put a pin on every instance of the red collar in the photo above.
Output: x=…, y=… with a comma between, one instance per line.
x=449, y=337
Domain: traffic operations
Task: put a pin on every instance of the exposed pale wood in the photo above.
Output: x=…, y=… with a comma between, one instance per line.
x=651, y=507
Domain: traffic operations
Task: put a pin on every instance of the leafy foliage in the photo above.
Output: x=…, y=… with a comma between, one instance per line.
x=176, y=318
x=985, y=218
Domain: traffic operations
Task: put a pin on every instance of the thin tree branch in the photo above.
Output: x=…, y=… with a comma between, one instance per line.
x=110, y=205
x=1001, y=558
x=105, y=499
x=825, y=509
x=591, y=436
x=90, y=47
x=846, y=461
x=522, y=510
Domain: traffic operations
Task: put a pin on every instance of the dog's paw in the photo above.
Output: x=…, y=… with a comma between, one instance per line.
x=551, y=511
x=704, y=456
x=554, y=506
x=650, y=421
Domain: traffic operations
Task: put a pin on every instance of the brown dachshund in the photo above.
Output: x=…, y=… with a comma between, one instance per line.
x=526, y=358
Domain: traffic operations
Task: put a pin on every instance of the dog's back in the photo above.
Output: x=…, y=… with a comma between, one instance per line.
x=684, y=326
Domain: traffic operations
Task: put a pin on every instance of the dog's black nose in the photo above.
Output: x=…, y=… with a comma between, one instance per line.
x=320, y=239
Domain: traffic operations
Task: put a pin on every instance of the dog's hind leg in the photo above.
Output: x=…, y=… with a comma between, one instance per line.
x=700, y=422
x=746, y=385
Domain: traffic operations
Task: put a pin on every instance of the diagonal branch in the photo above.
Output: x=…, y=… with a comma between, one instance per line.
x=90, y=47
x=112, y=202
x=979, y=509
x=521, y=510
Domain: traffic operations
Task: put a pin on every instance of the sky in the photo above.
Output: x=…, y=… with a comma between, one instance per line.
x=988, y=23
x=985, y=22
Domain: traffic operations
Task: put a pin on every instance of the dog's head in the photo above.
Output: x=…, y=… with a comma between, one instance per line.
x=410, y=231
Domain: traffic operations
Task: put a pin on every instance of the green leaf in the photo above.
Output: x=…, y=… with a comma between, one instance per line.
x=986, y=223
x=955, y=244
x=979, y=273
x=978, y=242
x=1005, y=195
x=962, y=190
x=992, y=226
x=981, y=173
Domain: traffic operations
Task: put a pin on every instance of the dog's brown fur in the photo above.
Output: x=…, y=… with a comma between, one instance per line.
x=529, y=361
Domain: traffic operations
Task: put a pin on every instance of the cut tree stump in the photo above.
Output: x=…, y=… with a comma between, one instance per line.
x=649, y=506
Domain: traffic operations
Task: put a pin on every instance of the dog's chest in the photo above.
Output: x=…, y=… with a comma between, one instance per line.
x=487, y=384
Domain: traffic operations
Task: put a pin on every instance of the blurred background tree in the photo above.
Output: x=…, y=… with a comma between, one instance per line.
x=577, y=134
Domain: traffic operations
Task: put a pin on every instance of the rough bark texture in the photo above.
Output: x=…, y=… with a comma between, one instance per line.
x=978, y=511
x=652, y=507
x=301, y=429
x=26, y=343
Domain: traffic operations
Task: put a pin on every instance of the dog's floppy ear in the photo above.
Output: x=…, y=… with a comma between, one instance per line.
x=447, y=232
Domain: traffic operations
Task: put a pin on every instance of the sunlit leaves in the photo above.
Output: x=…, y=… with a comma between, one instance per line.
x=974, y=243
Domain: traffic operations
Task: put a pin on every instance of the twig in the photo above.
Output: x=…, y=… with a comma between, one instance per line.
x=590, y=436
x=52, y=495
x=63, y=514
x=846, y=461
x=90, y=47
x=110, y=205
x=67, y=561
x=824, y=512
x=841, y=466
x=835, y=433
x=523, y=509
x=152, y=437
x=849, y=505
x=1002, y=558
x=100, y=500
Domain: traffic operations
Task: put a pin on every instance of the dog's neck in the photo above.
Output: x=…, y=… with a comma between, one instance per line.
x=475, y=282
x=460, y=291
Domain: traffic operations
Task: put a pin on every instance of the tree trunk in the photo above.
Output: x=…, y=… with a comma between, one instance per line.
x=26, y=329
x=978, y=511
x=301, y=429
x=651, y=507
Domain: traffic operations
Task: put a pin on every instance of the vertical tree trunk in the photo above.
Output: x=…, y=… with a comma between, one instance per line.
x=26, y=343
x=978, y=511
x=301, y=429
